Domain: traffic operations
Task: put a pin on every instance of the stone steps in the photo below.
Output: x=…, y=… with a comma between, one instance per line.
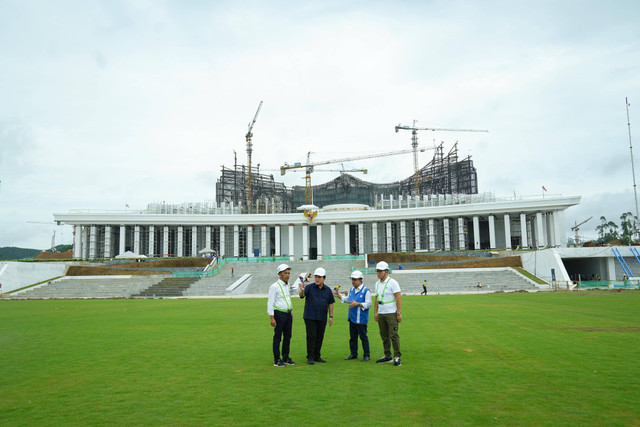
x=263, y=275
x=169, y=287
x=90, y=287
x=459, y=280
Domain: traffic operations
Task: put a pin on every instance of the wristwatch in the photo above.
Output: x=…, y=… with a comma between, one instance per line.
x=397, y=312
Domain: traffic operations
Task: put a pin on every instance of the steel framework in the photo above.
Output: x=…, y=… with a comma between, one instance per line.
x=444, y=174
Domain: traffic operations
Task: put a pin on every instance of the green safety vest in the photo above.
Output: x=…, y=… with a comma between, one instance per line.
x=381, y=296
x=287, y=300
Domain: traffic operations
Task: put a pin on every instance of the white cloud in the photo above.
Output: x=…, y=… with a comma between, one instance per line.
x=107, y=103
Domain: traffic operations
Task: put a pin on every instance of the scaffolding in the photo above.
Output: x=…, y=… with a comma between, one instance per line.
x=443, y=175
x=268, y=196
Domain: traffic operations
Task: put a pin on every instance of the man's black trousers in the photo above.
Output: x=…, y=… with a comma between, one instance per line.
x=284, y=324
x=358, y=330
x=315, y=335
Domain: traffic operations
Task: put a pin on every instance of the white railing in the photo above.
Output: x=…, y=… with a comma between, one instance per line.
x=381, y=203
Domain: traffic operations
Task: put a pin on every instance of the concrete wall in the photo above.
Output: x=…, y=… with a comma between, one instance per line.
x=15, y=275
x=540, y=263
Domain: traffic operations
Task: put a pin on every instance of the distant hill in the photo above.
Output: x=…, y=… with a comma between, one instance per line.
x=8, y=253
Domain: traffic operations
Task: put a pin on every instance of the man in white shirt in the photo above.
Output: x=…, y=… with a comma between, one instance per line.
x=386, y=311
x=279, y=310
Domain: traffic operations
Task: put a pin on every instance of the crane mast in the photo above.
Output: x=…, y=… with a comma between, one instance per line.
x=414, y=146
x=576, y=228
x=248, y=137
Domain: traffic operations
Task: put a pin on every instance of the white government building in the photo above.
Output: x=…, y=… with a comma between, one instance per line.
x=393, y=224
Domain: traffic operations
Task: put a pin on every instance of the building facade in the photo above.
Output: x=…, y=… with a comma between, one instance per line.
x=401, y=224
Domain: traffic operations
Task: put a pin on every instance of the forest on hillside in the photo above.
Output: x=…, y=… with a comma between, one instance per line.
x=10, y=253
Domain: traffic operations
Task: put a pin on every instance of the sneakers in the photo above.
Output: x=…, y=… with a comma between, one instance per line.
x=385, y=359
x=320, y=360
x=351, y=357
x=397, y=362
x=366, y=359
x=289, y=362
x=279, y=364
x=310, y=362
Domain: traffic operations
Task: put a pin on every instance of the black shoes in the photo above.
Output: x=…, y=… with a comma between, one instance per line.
x=279, y=364
x=289, y=362
x=310, y=362
x=385, y=359
x=320, y=360
x=397, y=362
x=355, y=356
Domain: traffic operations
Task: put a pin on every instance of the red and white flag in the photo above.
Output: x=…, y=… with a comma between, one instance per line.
x=544, y=188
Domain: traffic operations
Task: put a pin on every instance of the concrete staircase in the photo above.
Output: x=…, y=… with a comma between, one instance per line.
x=90, y=287
x=168, y=287
x=449, y=281
x=264, y=274
x=459, y=281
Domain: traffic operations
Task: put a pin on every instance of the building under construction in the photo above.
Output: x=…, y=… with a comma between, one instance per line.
x=267, y=194
x=444, y=174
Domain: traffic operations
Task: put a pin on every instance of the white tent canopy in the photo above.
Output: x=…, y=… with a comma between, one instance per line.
x=129, y=254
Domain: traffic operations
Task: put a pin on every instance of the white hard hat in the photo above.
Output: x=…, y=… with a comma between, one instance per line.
x=382, y=266
x=357, y=274
x=283, y=267
x=320, y=272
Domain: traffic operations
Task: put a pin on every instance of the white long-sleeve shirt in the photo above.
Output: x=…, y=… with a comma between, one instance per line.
x=279, y=297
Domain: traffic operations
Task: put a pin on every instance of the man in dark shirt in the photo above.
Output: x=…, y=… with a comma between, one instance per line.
x=319, y=301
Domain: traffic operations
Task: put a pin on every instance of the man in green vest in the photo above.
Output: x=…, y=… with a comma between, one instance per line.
x=280, y=314
x=386, y=310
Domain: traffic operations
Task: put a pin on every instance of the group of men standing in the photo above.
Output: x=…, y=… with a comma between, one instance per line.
x=318, y=310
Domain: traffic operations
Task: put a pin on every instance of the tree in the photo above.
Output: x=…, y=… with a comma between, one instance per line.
x=629, y=227
x=607, y=231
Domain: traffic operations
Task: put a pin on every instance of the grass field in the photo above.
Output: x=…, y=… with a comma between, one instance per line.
x=495, y=359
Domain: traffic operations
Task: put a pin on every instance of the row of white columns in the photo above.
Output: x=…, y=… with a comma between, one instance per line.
x=545, y=227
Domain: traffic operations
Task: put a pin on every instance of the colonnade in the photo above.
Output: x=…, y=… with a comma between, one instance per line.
x=315, y=240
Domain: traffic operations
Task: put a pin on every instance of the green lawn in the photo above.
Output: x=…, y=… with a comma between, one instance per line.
x=499, y=359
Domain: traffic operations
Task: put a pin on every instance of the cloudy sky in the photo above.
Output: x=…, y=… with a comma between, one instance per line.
x=108, y=103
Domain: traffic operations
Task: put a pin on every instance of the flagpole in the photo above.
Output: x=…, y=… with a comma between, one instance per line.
x=633, y=172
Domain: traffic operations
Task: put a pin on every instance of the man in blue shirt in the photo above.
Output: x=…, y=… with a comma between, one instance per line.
x=319, y=301
x=359, y=299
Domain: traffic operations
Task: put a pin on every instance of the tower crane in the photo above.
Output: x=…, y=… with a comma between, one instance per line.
x=309, y=166
x=248, y=137
x=414, y=144
x=577, y=227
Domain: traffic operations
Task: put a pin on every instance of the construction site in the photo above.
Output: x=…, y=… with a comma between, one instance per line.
x=254, y=192
x=444, y=174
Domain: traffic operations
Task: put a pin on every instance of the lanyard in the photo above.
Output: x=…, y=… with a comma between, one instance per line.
x=287, y=300
x=381, y=296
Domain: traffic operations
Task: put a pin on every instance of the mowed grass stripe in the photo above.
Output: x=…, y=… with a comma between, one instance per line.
x=504, y=359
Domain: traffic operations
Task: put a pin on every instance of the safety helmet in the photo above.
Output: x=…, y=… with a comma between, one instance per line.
x=283, y=267
x=357, y=274
x=320, y=272
x=382, y=266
